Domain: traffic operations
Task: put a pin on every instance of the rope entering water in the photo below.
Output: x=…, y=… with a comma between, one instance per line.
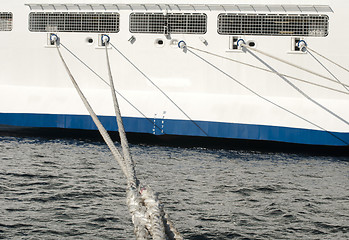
x=124, y=143
x=148, y=215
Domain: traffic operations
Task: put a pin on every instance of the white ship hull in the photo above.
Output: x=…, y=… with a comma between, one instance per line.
x=201, y=93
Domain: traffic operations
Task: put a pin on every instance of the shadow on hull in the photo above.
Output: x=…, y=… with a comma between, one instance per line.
x=179, y=141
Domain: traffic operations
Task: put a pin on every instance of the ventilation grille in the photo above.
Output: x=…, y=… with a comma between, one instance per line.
x=74, y=22
x=273, y=25
x=171, y=23
x=5, y=21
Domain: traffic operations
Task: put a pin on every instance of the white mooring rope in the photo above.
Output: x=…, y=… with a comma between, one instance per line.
x=122, y=96
x=338, y=65
x=267, y=70
x=154, y=210
x=124, y=143
x=247, y=49
x=286, y=62
x=182, y=45
x=148, y=216
x=162, y=92
x=328, y=70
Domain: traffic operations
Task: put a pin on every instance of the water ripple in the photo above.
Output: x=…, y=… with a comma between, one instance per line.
x=73, y=189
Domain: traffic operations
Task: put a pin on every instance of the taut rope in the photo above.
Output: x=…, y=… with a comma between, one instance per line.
x=247, y=48
x=148, y=216
x=267, y=70
x=183, y=45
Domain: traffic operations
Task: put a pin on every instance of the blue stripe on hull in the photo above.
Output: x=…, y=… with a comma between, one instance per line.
x=180, y=127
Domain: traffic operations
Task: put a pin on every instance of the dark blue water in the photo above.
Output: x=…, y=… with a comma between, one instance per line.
x=71, y=189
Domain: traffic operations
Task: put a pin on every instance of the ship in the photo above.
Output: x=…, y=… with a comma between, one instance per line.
x=271, y=71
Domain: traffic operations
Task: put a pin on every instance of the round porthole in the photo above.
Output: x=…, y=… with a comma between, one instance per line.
x=89, y=40
x=159, y=42
x=251, y=44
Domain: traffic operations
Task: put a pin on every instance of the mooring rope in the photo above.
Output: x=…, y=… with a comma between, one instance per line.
x=328, y=70
x=153, y=219
x=95, y=119
x=157, y=87
x=94, y=72
x=124, y=143
x=260, y=96
x=267, y=70
x=293, y=86
x=286, y=62
x=147, y=212
x=155, y=225
x=338, y=65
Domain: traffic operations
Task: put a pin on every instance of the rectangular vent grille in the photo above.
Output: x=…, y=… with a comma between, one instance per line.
x=190, y=23
x=74, y=22
x=273, y=24
x=5, y=21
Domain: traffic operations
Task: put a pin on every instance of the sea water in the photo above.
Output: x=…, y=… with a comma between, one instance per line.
x=73, y=189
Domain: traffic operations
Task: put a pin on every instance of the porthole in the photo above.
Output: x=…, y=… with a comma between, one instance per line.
x=159, y=42
x=89, y=40
x=251, y=44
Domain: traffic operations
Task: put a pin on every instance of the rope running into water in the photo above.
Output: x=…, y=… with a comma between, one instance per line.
x=157, y=87
x=155, y=225
x=294, y=86
x=89, y=68
x=147, y=212
x=267, y=70
x=124, y=143
x=260, y=96
x=154, y=220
